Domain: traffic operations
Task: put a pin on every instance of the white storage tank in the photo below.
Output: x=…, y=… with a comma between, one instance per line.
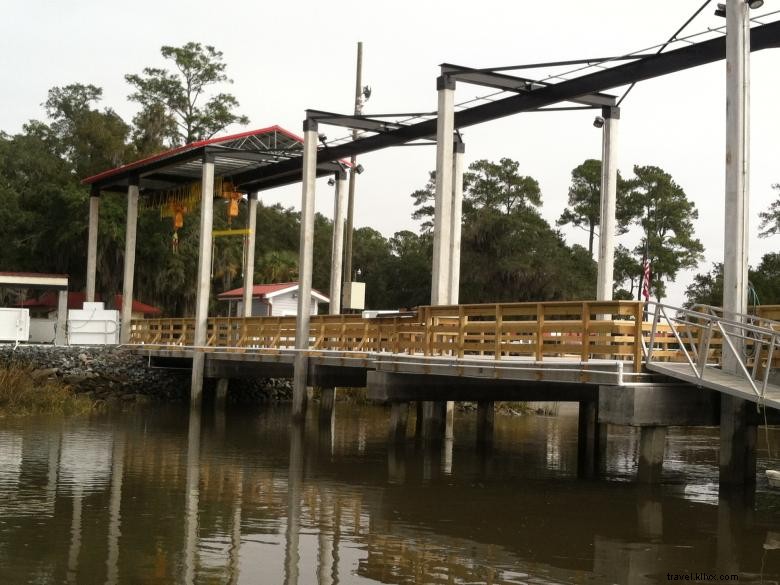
x=15, y=325
x=93, y=325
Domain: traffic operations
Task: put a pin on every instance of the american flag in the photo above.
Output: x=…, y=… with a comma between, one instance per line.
x=646, y=279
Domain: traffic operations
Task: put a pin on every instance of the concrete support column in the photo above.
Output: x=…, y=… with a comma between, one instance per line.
x=434, y=420
x=735, y=241
x=607, y=222
x=588, y=439
x=204, y=278
x=306, y=253
x=442, y=224
x=61, y=335
x=249, y=256
x=129, y=273
x=737, y=441
x=455, y=220
x=337, y=244
x=399, y=414
x=94, y=213
x=220, y=397
x=327, y=404
x=652, y=443
x=486, y=413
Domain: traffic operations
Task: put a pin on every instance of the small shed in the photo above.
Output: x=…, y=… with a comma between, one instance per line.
x=271, y=300
x=45, y=306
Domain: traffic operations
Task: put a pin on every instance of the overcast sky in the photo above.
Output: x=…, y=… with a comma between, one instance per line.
x=286, y=57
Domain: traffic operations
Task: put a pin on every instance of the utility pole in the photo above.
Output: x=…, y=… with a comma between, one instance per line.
x=351, y=197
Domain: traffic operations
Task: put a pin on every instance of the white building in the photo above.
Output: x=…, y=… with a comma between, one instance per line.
x=275, y=300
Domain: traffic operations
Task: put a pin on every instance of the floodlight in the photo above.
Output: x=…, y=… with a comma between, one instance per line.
x=755, y=3
x=322, y=138
x=367, y=88
x=331, y=182
x=598, y=122
x=359, y=169
x=721, y=10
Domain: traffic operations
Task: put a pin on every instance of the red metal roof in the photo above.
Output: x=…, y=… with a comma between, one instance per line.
x=48, y=300
x=191, y=146
x=259, y=291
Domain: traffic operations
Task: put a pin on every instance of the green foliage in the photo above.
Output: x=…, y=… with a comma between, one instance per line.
x=24, y=393
x=173, y=106
x=660, y=207
x=770, y=219
x=584, y=208
x=764, y=284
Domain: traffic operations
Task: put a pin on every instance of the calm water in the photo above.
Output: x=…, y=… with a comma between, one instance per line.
x=242, y=498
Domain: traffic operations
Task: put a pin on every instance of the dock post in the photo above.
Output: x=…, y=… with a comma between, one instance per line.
x=459, y=149
x=249, y=255
x=442, y=233
x=604, y=280
x=434, y=420
x=327, y=404
x=587, y=439
x=61, y=335
x=305, y=260
x=94, y=214
x=652, y=443
x=486, y=413
x=129, y=262
x=220, y=398
x=399, y=413
x=337, y=243
x=737, y=441
x=204, y=278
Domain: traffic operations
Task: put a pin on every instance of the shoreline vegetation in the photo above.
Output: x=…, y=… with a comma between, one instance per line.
x=25, y=391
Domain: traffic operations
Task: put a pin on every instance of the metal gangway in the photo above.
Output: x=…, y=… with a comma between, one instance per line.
x=733, y=354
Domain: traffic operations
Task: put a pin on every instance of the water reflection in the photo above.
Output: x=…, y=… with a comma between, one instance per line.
x=164, y=498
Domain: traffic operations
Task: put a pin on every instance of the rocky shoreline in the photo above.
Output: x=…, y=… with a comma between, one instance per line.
x=116, y=375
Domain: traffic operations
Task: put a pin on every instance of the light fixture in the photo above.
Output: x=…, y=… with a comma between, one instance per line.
x=754, y=4
x=331, y=182
x=359, y=169
x=720, y=10
x=598, y=122
x=322, y=138
x=367, y=88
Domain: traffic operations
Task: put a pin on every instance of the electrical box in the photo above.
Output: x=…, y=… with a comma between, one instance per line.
x=93, y=325
x=354, y=295
x=15, y=325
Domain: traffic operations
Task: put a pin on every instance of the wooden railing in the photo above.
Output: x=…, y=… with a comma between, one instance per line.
x=574, y=329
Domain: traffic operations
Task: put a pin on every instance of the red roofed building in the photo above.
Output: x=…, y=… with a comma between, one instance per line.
x=46, y=305
x=275, y=300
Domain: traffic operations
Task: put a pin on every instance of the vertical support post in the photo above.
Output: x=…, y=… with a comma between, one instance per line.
x=306, y=253
x=434, y=420
x=486, y=414
x=609, y=170
x=587, y=439
x=737, y=442
x=249, y=257
x=337, y=243
x=442, y=224
x=61, y=337
x=129, y=272
x=353, y=161
x=652, y=443
x=327, y=404
x=735, y=241
x=455, y=218
x=94, y=213
x=399, y=412
x=737, y=435
x=220, y=400
x=204, y=278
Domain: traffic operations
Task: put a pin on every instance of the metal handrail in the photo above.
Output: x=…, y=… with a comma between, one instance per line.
x=762, y=333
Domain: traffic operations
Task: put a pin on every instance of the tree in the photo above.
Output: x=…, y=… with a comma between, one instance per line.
x=763, y=284
x=585, y=200
x=770, y=219
x=173, y=107
x=627, y=270
x=660, y=207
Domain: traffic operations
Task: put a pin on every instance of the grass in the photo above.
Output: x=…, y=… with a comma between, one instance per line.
x=22, y=393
